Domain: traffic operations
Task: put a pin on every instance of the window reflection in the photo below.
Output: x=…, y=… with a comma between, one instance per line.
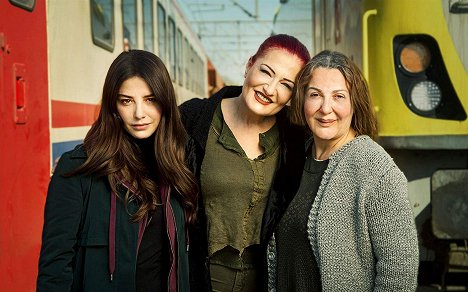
x=179, y=55
x=148, y=27
x=25, y=4
x=162, y=32
x=102, y=23
x=129, y=24
x=172, y=48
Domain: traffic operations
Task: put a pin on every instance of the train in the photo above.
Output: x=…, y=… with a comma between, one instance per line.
x=414, y=54
x=54, y=55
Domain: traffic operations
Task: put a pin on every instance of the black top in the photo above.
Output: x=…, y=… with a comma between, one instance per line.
x=297, y=267
x=153, y=254
x=151, y=272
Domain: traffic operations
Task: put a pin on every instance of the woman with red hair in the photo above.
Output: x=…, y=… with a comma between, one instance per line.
x=240, y=148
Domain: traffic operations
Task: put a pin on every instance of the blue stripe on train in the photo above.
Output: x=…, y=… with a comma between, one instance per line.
x=59, y=148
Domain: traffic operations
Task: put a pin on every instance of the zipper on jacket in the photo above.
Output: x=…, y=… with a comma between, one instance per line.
x=112, y=222
x=187, y=238
x=171, y=243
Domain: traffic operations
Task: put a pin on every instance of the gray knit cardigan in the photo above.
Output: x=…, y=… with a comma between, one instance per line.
x=361, y=227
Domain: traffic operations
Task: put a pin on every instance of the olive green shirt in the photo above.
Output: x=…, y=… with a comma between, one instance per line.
x=235, y=188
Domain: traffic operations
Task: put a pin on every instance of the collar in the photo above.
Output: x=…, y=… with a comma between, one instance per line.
x=269, y=140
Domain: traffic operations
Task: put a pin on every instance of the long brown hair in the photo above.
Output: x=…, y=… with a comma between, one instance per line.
x=113, y=153
x=364, y=121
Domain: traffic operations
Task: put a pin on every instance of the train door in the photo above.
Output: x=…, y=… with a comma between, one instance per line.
x=24, y=146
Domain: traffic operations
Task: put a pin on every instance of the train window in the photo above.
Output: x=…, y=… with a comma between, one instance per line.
x=25, y=4
x=458, y=6
x=172, y=48
x=186, y=62
x=179, y=56
x=318, y=15
x=148, y=25
x=200, y=76
x=162, y=32
x=129, y=14
x=102, y=23
x=192, y=68
x=197, y=77
x=197, y=81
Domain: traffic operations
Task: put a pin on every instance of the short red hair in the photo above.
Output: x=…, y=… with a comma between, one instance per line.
x=283, y=42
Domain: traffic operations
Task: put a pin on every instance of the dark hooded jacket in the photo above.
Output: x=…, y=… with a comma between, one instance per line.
x=197, y=115
x=90, y=243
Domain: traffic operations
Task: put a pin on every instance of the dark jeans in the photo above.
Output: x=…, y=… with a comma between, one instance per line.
x=233, y=273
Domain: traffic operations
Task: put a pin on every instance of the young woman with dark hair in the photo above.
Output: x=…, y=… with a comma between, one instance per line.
x=117, y=206
x=240, y=148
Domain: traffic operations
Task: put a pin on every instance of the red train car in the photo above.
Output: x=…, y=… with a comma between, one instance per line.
x=24, y=150
x=53, y=58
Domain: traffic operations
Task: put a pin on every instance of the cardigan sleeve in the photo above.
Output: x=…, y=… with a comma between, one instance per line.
x=393, y=234
x=62, y=217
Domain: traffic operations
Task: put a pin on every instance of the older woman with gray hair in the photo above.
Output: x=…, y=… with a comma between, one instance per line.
x=350, y=226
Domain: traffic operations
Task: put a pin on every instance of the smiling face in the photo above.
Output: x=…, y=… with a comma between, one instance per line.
x=327, y=106
x=138, y=109
x=269, y=82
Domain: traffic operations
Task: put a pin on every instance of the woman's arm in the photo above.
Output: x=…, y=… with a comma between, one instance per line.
x=61, y=222
x=393, y=234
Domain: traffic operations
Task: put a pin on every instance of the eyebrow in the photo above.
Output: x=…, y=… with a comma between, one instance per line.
x=311, y=87
x=318, y=89
x=128, y=96
x=275, y=73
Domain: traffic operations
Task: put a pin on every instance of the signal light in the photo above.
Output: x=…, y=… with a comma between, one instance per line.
x=426, y=96
x=415, y=57
x=423, y=79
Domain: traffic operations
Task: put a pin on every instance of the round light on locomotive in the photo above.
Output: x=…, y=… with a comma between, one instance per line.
x=415, y=57
x=426, y=96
